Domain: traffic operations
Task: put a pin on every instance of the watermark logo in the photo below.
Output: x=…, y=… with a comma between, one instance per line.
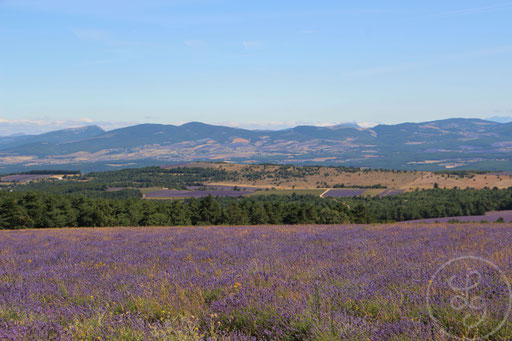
x=469, y=298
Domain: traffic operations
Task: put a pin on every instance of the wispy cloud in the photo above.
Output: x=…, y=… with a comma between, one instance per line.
x=92, y=34
x=381, y=69
x=252, y=44
x=103, y=37
x=476, y=10
x=93, y=7
x=424, y=62
x=100, y=62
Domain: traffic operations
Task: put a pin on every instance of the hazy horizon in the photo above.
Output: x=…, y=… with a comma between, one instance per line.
x=262, y=64
x=25, y=127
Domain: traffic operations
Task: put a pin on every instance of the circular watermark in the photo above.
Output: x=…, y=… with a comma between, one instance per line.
x=469, y=298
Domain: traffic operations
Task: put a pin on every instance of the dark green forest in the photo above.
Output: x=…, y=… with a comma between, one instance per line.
x=41, y=210
x=127, y=182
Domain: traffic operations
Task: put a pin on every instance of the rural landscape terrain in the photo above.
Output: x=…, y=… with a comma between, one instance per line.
x=436, y=145
x=226, y=170
x=258, y=251
x=225, y=193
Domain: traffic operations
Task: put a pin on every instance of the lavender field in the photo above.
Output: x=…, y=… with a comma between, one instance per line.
x=343, y=193
x=224, y=187
x=350, y=282
x=24, y=177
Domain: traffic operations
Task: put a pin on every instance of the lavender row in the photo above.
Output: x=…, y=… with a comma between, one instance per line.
x=24, y=177
x=223, y=187
x=341, y=193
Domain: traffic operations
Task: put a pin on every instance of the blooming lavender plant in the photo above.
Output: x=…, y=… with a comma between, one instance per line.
x=344, y=282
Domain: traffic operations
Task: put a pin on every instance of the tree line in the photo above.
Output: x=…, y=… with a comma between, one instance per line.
x=41, y=210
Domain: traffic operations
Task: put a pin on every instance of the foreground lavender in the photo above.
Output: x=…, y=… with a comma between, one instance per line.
x=269, y=282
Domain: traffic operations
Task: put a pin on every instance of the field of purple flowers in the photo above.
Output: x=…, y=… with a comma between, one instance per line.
x=24, y=177
x=350, y=282
x=343, y=193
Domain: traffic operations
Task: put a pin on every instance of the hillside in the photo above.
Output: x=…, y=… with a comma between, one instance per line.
x=22, y=144
x=291, y=177
x=436, y=145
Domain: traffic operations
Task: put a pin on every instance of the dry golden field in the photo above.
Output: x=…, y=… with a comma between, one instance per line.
x=292, y=177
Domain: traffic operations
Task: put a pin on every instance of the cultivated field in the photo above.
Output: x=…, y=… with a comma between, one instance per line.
x=351, y=282
x=255, y=180
x=28, y=177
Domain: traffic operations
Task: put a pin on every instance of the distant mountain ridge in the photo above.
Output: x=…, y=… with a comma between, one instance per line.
x=444, y=144
x=54, y=137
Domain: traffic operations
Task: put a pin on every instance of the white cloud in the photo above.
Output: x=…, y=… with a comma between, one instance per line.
x=39, y=126
x=278, y=125
x=367, y=125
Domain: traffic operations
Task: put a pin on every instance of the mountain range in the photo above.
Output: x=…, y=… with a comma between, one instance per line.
x=436, y=145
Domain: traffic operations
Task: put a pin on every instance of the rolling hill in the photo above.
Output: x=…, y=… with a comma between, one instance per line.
x=435, y=145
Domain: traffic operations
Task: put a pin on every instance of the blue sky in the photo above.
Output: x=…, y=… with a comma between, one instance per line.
x=252, y=63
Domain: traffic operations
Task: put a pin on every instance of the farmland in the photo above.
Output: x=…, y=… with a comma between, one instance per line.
x=310, y=282
x=267, y=192
x=295, y=177
x=196, y=180
x=27, y=177
x=221, y=194
x=343, y=193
